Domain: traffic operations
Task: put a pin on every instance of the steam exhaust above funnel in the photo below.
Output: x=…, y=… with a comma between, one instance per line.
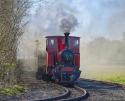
x=67, y=24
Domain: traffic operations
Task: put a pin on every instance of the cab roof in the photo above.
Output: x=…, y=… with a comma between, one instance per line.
x=61, y=36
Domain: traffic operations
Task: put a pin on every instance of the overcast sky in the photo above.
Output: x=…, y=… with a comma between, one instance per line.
x=95, y=17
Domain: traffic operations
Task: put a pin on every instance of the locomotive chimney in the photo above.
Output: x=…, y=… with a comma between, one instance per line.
x=66, y=40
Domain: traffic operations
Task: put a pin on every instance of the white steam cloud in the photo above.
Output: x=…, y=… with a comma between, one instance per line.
x=96, y=18
x=68, y=24
x=53, y=18
x=90, y=19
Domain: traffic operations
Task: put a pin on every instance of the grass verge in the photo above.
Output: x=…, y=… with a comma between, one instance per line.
x=13, y=90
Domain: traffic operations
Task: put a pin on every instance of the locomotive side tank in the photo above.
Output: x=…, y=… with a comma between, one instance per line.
x=62, y=58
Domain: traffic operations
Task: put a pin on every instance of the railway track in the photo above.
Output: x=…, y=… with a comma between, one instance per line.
x=76, y=94
x=73, y=93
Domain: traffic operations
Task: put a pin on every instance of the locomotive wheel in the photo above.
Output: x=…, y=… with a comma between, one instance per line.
x=39, y=73
x=46, y=77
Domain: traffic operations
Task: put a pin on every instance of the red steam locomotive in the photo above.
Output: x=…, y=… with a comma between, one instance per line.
x=62, y=59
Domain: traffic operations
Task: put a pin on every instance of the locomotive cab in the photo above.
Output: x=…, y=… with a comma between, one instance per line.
x=63, y=58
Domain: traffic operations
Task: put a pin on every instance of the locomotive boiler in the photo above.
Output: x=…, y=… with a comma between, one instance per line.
x=62, y=59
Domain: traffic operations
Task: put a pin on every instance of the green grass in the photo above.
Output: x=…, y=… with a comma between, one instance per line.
x=117, y=79
x=13, y=90
x=115, y=74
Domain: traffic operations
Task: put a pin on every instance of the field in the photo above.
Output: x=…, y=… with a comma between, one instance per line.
x=110, y=73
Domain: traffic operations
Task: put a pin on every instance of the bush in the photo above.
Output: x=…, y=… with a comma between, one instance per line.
x=7, y=73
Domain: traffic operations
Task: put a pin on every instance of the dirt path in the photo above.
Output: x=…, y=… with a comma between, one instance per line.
x=100, y=91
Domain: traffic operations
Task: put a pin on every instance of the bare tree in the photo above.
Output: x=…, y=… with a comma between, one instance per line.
x=12, y=13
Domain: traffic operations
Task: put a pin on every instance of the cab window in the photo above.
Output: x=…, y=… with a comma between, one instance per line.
x=51, y=42
x=76, y=43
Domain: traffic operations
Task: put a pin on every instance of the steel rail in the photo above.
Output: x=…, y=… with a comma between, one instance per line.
x=64, y=95
x=77, y=98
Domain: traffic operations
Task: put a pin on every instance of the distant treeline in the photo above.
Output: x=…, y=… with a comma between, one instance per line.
x=103, y=51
